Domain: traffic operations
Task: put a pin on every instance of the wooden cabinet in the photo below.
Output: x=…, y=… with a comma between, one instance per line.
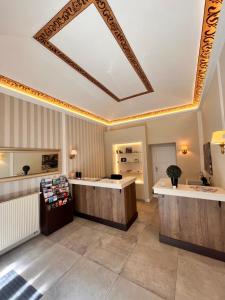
x=198, y=223
x=112, y=207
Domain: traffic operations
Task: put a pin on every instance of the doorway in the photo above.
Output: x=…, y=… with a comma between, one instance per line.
x=163, y=155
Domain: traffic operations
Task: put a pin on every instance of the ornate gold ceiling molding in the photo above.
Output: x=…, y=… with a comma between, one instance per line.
x=70, y=11
x=210, y=21
x=23, y=89
x=18, y=87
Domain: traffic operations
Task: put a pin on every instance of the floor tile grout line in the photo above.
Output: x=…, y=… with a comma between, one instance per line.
x=178, y=255
x=67, y=271
x=111, y=287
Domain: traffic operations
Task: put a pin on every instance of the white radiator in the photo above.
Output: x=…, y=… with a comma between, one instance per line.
x=19, y=220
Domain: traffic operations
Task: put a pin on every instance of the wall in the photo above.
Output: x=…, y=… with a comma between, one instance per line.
x=123, y=136
x=212, y=112
x=180, y=129
x=88, y=140
x=24, y=124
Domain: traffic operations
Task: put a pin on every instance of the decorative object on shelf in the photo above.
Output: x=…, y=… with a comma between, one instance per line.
x=218, y=138
x=26, y=169
x=184, y=149
x=129, y=150
x=208, y=158
x=123, y=159
x=73, y=153
x=174, y=172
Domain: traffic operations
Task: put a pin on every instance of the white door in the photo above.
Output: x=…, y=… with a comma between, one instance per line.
x=163, y=156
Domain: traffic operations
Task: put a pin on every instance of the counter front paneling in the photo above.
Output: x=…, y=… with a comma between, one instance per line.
x=110, y=202
x=192, y=218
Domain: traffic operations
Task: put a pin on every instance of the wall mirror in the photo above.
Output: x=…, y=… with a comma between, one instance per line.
x=20, y=163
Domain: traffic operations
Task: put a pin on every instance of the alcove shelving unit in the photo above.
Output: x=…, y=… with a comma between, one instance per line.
x=128, y=160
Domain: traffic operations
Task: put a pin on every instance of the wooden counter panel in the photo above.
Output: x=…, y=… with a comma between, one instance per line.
x=197, y=221
x=118, y=206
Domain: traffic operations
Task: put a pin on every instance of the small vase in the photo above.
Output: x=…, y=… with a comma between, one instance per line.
x=174, y=182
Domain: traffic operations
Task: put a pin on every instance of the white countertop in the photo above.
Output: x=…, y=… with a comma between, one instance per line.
x=164, y=187
x=105, y=183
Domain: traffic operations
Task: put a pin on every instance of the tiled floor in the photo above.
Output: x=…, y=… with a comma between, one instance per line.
x=86, y=260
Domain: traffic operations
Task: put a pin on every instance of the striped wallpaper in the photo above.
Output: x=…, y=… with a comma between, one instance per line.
x=24, y=124
x=88, y=139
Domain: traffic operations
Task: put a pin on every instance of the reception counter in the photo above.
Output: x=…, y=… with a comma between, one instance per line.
x=192, y=218
x=107, y=201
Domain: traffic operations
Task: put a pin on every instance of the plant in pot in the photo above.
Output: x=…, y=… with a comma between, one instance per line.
x=174, y=172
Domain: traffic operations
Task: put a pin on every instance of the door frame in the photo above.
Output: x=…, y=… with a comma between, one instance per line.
x=151, y=172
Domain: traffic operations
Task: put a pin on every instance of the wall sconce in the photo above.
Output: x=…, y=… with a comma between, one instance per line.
x=1, y=156
x=73, y=153
x=184, y=149
x=218, y=138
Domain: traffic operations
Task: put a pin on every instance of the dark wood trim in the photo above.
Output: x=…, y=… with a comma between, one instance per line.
x=70, y=11
x=192, y=248
x=116, y=225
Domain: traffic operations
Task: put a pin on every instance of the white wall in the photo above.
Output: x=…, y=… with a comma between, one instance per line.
x=180, y=129
x=123, y=136
x=212, y=112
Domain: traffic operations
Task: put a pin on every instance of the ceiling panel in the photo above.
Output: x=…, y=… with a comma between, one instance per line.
x=88, y=41
x=164, y=35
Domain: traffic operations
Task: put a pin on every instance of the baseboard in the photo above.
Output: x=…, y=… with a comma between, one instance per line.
x=116, y=225
x=192, y=247
x=19, y=242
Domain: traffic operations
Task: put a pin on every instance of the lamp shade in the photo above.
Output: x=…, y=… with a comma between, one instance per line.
x=218, y=137
x=73, y=152
x=184, y=149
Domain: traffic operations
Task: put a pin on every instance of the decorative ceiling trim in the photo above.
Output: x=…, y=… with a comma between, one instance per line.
x=210, y=21
x=20, y=88
x=70, y=11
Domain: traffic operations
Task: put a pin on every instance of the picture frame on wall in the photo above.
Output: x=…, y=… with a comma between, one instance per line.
x=208, y=158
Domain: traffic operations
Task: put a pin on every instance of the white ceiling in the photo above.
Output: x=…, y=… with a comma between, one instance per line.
x=164, y=36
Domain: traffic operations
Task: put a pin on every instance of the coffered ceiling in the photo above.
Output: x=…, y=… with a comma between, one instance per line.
x=112, y=61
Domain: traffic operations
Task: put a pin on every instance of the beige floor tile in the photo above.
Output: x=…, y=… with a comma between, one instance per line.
x=86, y=280
x=213, y=264
x=43, y=272
x=111, y=251
x=152, y=269
x=136, y=228
x=124, y=290
x=107, y=258
x=20, y=258
x=67, y=230
x=199, y=278
x=81, y=239
x=150, y=237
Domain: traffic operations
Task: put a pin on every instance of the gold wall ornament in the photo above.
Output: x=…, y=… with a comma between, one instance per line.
x=70, y=11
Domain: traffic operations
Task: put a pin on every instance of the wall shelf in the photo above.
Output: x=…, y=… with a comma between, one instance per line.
x=134, y=164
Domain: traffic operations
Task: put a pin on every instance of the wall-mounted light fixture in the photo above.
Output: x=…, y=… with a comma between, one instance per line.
x=184, y=149
x=218, y=138
x=73, y=153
